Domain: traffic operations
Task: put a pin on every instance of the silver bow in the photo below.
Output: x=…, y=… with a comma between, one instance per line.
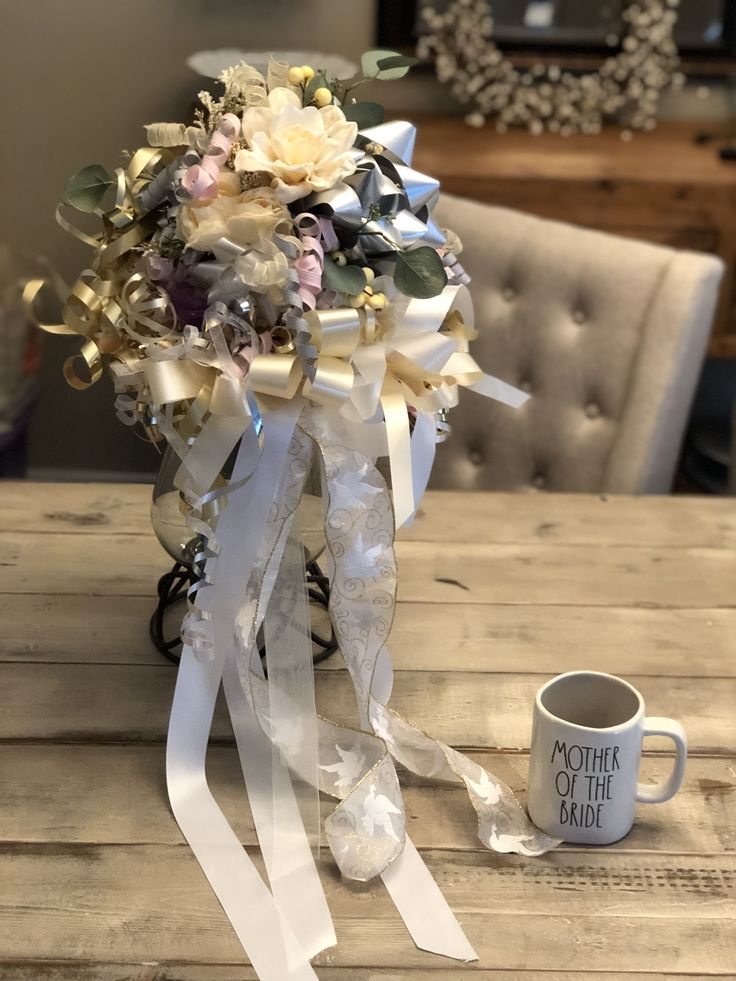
x=386, y=205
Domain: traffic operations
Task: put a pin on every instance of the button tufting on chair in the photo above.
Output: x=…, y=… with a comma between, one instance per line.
x=653, y=309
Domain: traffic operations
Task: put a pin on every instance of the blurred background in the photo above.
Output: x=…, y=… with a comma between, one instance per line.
x=82, y=77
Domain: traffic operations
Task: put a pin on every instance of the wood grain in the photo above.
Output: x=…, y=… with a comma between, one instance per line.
x=75, y=509
x=96, y=883
x=444, y=516
x=79, y=971
x=474, y=636
x=596, y=910
x=127, y=703
x=83, y=794
x=593, y=575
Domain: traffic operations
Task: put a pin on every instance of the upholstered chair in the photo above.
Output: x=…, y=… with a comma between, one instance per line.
x=606, y=334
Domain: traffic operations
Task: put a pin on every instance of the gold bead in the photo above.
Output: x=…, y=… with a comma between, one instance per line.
x=369, y=274
x=357, y=301
x=377, y=301
x=296, y=76
x=322, y=96
x=308, y=72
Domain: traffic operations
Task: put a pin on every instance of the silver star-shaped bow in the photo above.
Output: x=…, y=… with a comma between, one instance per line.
x=386, y=205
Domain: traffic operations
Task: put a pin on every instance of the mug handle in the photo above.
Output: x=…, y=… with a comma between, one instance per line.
x=657, y=793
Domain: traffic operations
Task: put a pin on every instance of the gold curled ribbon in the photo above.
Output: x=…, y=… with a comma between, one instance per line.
x=91, y=309
x=175, y=381
x=90, y=355
x=276, y=374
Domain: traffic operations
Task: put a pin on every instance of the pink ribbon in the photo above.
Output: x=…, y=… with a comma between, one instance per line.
x=201, y=179
x=317, y=236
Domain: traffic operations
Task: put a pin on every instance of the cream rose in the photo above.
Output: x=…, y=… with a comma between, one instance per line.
x=246, y=218
x=305, y=148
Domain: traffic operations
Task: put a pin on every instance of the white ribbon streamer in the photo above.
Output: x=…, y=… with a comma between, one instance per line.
x=260, y=925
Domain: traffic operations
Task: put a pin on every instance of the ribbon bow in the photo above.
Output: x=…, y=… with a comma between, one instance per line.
x=386, y=204
x=376, y=373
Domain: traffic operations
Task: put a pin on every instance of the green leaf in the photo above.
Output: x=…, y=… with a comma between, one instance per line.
x=343, y=279
x=385, y=65
x=85, y=190
x=317, y=81
x=420, y=273
x=397, y=61
x=365, y=114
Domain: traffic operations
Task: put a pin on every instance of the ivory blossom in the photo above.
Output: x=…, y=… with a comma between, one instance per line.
x=247, y=219
x=305, y=148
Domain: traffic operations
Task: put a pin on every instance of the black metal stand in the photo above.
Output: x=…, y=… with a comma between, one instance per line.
x=173, y=587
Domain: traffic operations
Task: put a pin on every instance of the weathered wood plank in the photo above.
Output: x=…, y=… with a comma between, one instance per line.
x=77, y=971
x=98, y=629
x=445, y=516
x=540, y=638
x=595, y=911
x=574, y=519
x=473, y=637
x=117, y=795
x=75, y=509
x=127, y=703
x=592, y=575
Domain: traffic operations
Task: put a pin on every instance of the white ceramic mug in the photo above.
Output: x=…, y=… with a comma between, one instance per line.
x=586, y=745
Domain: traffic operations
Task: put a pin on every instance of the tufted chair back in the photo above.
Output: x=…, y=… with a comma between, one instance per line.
x=607, y=334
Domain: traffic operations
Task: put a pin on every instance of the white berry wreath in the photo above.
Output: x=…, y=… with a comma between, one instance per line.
x=626, y=87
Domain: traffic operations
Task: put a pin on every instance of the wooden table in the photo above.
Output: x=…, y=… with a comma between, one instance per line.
x=96, y=883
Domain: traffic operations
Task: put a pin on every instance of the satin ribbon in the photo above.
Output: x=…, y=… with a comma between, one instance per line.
x=200, y=180
x=363, y=365
x=265, y=927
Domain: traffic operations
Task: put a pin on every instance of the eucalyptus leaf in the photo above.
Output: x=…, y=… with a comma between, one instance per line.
x=372, y=67
x=365, y=114
x=315, y=82
x=420, y=273
x=397, y=61
x=343, y=279
x=85, y=190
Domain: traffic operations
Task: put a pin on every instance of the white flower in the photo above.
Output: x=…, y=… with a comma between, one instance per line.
x=305, y=148
x=248, y=218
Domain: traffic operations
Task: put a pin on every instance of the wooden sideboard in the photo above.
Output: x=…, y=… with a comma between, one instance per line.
x=661, y=186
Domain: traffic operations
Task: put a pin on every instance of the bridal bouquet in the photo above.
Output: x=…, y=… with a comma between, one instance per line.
x=268, y=284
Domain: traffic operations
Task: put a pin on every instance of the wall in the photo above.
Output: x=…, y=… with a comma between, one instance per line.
x=79, y=78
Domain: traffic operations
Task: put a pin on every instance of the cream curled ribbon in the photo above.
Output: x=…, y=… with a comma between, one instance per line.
x=369, y=367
